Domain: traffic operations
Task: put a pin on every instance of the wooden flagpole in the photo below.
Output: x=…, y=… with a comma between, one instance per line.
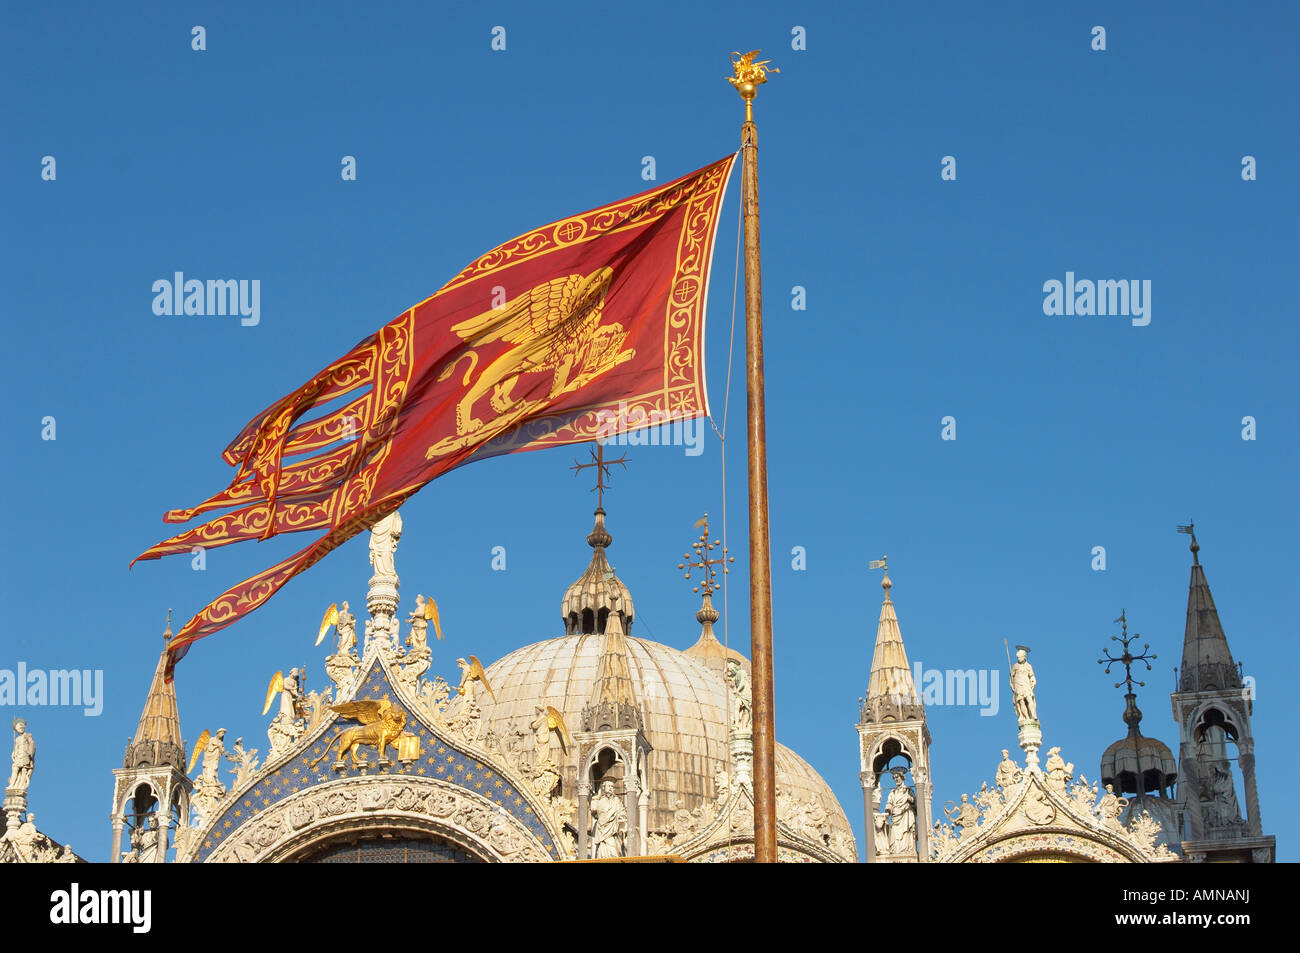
x=748, y=77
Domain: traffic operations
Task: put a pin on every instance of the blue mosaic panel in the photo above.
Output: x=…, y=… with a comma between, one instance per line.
x=438, y=758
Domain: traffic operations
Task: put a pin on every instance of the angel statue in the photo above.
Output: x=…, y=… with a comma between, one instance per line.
x=212, y=748
x=289, y=688
x=346, y=625
x=548, y=721
x=471, y=672
x=420, y=655
x=381, y=726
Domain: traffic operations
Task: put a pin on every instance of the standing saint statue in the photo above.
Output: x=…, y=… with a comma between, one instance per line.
x=1022, y=686
x=23, y=760
x=384, y=535
x=742, y=713
x=1224, y=808
x=901, y=808
x=608, y=822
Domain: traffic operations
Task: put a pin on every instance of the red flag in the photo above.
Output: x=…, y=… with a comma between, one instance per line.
x=559, y=336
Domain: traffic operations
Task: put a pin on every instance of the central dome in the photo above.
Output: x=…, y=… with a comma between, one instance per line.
x=685, y=708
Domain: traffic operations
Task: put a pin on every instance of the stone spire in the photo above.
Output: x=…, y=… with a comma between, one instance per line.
x=158, y=735
x=151, y=791
x=1213, y=709
x=893, y=727
x=890, y=689
x=613, y=690
x=1207, y=661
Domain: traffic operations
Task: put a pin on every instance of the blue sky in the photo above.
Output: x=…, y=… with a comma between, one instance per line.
x=924, y=299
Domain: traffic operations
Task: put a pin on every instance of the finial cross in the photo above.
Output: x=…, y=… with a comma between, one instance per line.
x=602, y=471
x=699, y=558
x=1128, y=658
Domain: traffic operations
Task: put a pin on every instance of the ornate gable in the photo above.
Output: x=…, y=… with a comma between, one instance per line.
x=437, y=777
x=1032, y=816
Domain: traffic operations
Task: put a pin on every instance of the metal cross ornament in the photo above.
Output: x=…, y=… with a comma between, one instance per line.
x=699, y=558
x=1128, y=658
x=602, y=471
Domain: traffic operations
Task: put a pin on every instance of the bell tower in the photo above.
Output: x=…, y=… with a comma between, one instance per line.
x=1216, y=755
x=894, y=742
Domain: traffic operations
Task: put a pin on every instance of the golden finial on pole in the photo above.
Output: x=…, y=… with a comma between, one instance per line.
x=748, y=77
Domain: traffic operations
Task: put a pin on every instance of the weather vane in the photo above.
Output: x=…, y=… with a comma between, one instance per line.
x=879, y=564
x=699, y=558
x=1190, y=530
x=1128, y=658
x=602, y=471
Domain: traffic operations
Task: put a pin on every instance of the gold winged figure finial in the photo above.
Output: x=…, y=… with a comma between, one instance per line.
x=748, y=77
x=331, y=618
x=381, y=726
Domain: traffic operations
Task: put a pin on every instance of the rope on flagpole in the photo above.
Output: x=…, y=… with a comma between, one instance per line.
x=722, y=440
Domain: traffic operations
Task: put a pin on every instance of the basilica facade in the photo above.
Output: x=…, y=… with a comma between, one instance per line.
x=602, y=745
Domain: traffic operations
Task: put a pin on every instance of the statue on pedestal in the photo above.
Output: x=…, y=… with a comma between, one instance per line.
x=742, y=700
x=608, y=822
x=23, y=759
x=384, y=536
x=1022, y=687
x=901, y=808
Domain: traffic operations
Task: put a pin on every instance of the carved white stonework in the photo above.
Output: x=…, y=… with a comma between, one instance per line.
x=353, y=805
x=22, y=761
x=1043, y=815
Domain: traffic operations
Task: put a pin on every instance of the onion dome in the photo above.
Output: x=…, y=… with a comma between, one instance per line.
x=597, y=592
x=684, y=705
x=1136, y=764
